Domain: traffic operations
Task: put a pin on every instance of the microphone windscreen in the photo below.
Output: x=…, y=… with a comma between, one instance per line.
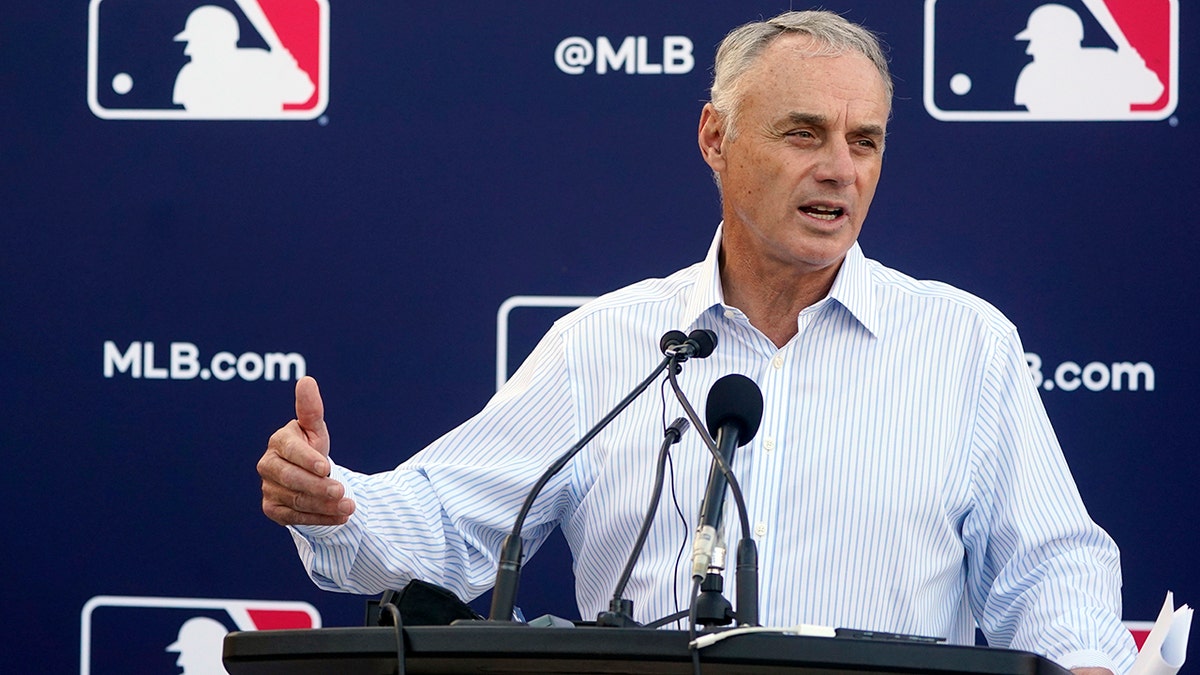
x=672, y=338
x=734, y=399
x=705, y=340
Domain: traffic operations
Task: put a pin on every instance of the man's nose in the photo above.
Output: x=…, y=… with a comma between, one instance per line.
x=836, y=163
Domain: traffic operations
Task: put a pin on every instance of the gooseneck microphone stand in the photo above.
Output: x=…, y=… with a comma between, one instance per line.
x=677, y=348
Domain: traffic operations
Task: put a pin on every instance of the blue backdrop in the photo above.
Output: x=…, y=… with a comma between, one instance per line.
x=164, y=279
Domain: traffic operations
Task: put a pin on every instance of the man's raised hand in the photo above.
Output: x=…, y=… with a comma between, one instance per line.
x=296, y=486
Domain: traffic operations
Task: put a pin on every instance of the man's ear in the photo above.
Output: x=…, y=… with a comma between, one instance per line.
x=711, y=137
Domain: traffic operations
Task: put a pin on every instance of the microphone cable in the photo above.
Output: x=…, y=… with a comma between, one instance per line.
x=398, y=627
x=618, y=605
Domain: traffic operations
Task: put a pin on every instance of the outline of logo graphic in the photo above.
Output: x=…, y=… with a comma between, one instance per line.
x=960, y=82
x=255, y=59
x=566, y=302
x=247, y=615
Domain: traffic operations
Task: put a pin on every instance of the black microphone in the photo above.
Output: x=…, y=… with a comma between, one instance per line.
x=508, y=571
x=699, y=344
x=671, y=340
x=733, y=413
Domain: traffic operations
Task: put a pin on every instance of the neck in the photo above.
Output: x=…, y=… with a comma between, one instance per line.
x=773, y=298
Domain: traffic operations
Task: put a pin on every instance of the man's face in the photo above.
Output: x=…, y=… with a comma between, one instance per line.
x=799, y=175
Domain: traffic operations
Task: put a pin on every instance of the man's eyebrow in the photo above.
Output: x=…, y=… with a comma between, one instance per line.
x=872, y=130
x=818, y=120
x=809, y=119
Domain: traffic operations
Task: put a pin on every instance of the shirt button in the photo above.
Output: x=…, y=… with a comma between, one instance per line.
x=777, y=362
x=769, y=443
x=730, y=314
x=760, y=529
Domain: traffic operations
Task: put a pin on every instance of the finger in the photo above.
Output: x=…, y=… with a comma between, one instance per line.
x=328, y=500
x=310, y=413
x=286, y=516
x=276, y=469
x=308, y=519
x=292, y=445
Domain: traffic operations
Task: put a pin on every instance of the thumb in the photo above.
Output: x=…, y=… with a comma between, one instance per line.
x=310, y=414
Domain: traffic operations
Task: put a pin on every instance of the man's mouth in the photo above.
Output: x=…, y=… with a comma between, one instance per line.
x=822, y=212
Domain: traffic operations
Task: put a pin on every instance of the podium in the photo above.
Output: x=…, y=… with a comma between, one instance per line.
x=492, y=649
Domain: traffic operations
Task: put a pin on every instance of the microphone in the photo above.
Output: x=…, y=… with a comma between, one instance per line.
x=733, y=413
x=508, y=571
x=699, y=344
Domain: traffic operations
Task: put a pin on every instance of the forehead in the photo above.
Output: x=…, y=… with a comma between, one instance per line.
x=793, y=74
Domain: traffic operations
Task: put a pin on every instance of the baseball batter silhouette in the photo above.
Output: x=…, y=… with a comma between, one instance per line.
x=199, y=645
x=223, y=80
x=1066, y=80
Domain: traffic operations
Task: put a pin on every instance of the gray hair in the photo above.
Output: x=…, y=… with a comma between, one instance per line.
x=740, y=49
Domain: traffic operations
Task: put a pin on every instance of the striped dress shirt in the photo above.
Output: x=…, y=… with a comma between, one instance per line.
x=905, y=476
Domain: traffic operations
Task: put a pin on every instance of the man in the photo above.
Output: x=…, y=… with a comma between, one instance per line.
x=904, y=477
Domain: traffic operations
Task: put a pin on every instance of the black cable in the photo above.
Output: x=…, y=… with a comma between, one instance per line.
x=662, y=395
x=681, y=614
x=692, y=627
x=397, y=625
x=662, y=401
x=672, y=436
x=683, y=541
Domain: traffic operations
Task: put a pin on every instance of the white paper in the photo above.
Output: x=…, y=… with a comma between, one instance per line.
x=807, y=629
x=1165, y=648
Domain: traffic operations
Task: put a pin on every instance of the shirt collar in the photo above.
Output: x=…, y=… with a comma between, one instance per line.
x=852, y=288
x=707, y=292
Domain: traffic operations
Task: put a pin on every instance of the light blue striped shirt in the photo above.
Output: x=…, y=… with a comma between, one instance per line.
x=905, y=477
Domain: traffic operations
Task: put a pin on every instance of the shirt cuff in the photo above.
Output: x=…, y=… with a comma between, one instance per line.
x=1088, y=658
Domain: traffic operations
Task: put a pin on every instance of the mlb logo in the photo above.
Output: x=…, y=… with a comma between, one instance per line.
x=1039, y=60
x=121, y=634
x=1140, y=630
x=208, y=59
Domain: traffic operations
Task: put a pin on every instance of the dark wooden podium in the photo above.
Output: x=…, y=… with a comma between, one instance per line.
x=452, y=650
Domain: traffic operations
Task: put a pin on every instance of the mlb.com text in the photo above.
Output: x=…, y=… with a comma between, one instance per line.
x=1093, y=376
x=182, y=362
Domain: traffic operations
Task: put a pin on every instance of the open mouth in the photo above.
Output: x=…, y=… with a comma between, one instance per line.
x=822, y=212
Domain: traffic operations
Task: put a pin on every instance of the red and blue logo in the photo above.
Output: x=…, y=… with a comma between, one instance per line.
x=208, y=59
x=1065, y=60
x=122, y=634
